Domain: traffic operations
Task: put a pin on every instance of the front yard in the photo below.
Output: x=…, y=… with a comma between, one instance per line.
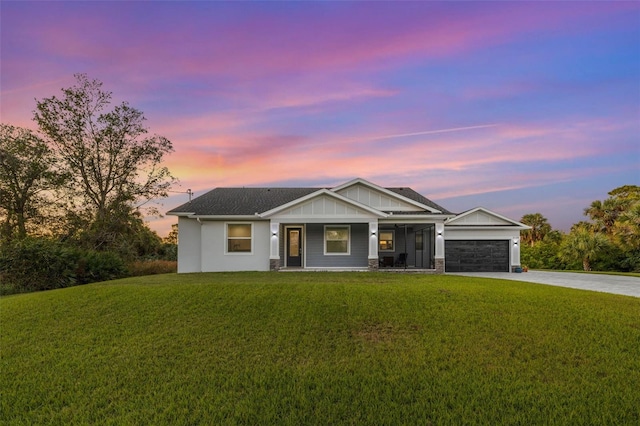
x=319, y=348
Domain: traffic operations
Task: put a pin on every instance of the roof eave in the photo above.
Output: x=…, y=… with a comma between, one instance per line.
x=420, y=216
x=224, y=216
x=468, y=227
x=172, y=213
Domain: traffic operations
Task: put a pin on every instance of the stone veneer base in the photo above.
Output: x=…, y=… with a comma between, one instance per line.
x=274, y=264
x=374, y=264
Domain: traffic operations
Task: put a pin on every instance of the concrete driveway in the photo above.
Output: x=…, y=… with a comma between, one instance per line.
x=616, y=284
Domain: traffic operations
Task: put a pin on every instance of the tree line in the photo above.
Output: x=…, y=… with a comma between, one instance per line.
x=78, y=186
x=608, y=241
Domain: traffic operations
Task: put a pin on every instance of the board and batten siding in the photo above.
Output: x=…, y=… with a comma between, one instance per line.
x=359, y=248
x=376, y=199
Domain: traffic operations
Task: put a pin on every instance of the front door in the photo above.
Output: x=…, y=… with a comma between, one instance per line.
x=294, y=247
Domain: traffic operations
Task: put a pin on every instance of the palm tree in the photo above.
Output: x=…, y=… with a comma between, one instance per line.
x=606, y=213
x=584, y=245
x=626, y=231
x=539, y=228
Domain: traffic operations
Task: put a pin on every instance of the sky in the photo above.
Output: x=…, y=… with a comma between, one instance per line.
x=518, y=107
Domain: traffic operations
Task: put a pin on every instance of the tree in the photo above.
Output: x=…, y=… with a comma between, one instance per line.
x=172, y=237
x=617, y=218
x=584, y=245
x=114, y=164
x=626, y=192
x=539, y=228
x=626, y=235
x=27, y=170
x=605, y=213
x=627, y=227
x=544, y=254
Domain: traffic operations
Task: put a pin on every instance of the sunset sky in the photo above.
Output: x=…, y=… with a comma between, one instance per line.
x=517, y=107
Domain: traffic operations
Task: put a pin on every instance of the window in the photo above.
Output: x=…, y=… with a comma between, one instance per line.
x=239, y=237
x=336, y=239
x=386, y=241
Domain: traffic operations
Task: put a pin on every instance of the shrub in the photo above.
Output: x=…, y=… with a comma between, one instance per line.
x=35, y=264
x=152, y=267
x=100, y=266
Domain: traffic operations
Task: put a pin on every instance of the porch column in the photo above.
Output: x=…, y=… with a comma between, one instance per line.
x=373, y=246
x=439, y=255
x=274, y=251
x=515, y=253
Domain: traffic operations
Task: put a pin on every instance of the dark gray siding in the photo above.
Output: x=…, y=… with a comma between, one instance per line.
x=359, y=248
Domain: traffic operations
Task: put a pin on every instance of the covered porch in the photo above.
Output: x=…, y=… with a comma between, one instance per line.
x=406, y=246
x=364, y=245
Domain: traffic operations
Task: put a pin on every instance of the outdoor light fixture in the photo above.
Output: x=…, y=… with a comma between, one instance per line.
x=373, y=233
x=439, y=233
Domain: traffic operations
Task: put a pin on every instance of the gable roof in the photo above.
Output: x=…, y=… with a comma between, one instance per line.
x=415, y=196
x=323, y=193
x=483, y=217
x=249, y=201
x=408, y=195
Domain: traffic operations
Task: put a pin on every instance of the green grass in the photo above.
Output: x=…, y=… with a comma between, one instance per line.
x=319, y=348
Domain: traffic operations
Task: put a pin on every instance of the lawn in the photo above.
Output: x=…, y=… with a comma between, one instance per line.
x=319, y=348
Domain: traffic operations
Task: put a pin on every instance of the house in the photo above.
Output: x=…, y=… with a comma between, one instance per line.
x=355, y=226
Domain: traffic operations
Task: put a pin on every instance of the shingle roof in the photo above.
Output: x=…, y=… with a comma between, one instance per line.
x=241, y=201
x=415, y=196
x=248, y=201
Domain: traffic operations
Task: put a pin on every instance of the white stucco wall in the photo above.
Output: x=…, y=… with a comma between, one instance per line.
x=188, y=245
x=215, y=259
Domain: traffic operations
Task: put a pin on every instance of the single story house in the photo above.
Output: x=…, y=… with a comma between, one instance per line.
x=355, y=226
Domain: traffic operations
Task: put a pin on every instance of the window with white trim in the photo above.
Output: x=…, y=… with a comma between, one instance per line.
x=239, y=237
x=337, y=239
x=386, y=241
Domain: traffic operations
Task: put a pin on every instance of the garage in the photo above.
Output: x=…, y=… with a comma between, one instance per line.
x=476, y=256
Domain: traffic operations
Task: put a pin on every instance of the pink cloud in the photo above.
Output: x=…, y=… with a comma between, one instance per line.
x=263, y=42
x=256, y=94
x=475, y=161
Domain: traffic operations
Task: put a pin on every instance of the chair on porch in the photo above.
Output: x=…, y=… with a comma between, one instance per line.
x=402, y=260
x=386, y=262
